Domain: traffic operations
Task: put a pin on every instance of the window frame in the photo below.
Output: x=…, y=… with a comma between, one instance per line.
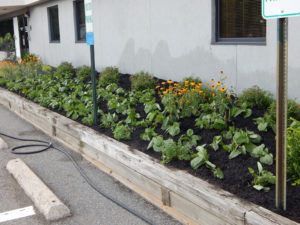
x=76, y=20
x=50, y=24
x=245, y=41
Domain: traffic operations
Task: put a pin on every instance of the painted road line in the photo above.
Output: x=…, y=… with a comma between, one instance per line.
x=17, y=214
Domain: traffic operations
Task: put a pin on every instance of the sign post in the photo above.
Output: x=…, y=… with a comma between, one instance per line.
x=281, y=9
x=88, y=5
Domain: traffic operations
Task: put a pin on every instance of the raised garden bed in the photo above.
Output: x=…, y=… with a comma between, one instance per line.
x=189, y=198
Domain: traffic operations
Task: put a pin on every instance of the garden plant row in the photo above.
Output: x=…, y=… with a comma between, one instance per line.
x=204, y=128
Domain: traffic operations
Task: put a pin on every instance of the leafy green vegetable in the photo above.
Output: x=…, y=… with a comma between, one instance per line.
x=262, y=179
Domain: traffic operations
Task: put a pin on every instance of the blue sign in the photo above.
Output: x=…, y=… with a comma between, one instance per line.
x=90, y=38
x=88, y=5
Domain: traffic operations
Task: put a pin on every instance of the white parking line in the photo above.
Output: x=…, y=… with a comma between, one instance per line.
x=16, y=214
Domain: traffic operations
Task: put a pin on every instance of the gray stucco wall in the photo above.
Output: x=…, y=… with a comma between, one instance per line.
x=171, y=39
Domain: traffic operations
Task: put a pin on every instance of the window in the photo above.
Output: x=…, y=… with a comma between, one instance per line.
x=240, y=21
x=79, y=20
x=53, y=24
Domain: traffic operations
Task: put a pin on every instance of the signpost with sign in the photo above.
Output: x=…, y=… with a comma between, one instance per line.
x=281, y=9
x=88, y=6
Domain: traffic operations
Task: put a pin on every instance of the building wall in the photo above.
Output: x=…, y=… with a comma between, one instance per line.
x=171, y=39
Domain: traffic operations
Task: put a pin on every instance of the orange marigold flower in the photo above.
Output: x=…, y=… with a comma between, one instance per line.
x=197, y=86
x=228, y=96
x=212, y=86
x=193, y=83
x=199, y=83
x=186, y=81
x=219, y=83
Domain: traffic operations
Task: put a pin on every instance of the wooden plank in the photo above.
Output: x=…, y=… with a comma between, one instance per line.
x=259, y=215
x=195, y=212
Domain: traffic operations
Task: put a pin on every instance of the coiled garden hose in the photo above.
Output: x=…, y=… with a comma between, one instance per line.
x=48, y=145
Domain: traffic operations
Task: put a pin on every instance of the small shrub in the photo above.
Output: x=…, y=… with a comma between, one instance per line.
x=65, y=68
x=47, y=68
x=256, y=97
x=293, y=110
x=108, y=76
x=84, y=72
x=142, y=81
x=293, y=151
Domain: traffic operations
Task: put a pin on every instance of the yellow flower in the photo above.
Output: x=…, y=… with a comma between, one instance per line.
x=157, y=87
x=165, y=92
x=222, y=89
x=187, y=81
x=170, y=82
x=219, y=83
x=207, y=84
x=212, y=86
x=228, y=96
x=162, y=88
x=200, y=84
x=212, y=80
x=221, y=72
x=201, y=91
x=193, y=83
x=197, y=86
x=163, y=83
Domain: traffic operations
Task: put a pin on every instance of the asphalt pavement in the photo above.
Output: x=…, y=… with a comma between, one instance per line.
x=58, y=173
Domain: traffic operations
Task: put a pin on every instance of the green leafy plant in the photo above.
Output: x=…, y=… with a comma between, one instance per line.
x=148, y=134
x=174, y=129
x=211, y=121
x=243, y=142
x=262, y=179
x=202, y=158
x=255, y=97
x=189, y=139
x=122, y=131
x=108, y=120
x=84, y=72
x=142, y=81
x=170, y=149
x=64, y=68
x=108, y=76
x=293, y=111
x=293, y=151
x=217, y=141
x=242, y=110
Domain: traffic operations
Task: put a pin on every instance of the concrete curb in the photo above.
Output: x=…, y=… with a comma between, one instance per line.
x=3, y=144
x=44, y=199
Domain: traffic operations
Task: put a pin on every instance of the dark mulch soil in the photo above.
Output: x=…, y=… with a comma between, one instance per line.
x=236, y=176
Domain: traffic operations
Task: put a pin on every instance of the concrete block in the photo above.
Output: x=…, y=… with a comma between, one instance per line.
x=3, y=144
x=43, y=198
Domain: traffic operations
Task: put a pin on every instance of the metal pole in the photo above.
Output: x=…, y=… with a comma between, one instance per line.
x=94, y=85
x=281, y=121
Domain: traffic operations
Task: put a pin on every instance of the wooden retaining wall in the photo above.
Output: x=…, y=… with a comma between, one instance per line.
x=185, y=197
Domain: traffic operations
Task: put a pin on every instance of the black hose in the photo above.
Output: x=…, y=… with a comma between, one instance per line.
x=48, y=145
